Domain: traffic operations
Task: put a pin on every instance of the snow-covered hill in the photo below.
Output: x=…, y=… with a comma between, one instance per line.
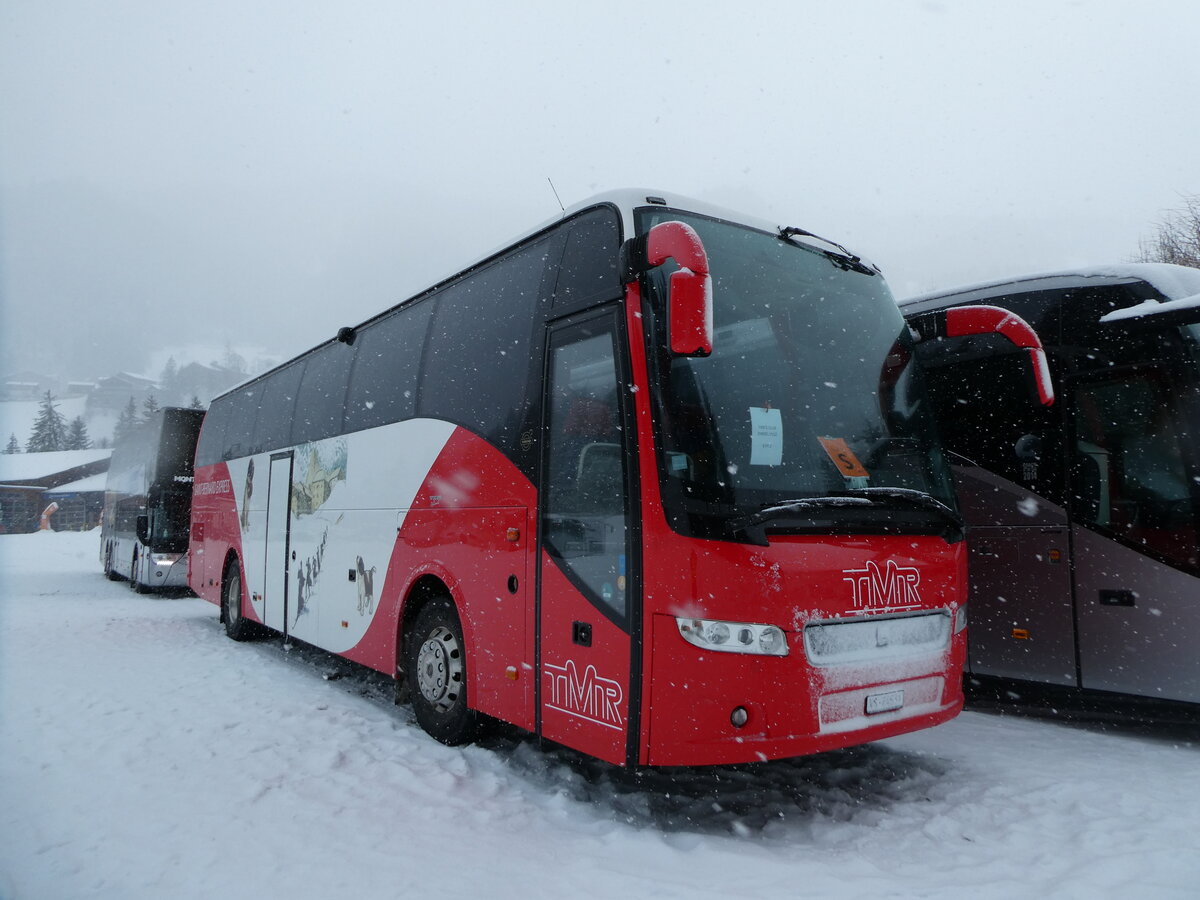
x=144, y=755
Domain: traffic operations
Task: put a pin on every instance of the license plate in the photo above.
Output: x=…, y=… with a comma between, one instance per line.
x=881, y=703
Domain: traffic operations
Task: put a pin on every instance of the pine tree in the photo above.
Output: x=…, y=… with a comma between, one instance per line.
x=169, y=380
x=77, y=436
x=49, y=429
x=149, y=408
x=196, y=404
x=13, y=445
x=126, y=421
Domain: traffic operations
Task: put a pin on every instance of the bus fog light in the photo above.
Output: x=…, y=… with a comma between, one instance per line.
x=734, y=637
x=739, y=717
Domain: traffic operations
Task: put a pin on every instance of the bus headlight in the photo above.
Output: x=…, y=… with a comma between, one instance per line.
x=960, y=618
x=733, y=637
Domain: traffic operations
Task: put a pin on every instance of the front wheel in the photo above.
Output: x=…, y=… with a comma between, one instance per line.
x=135, y=578
x=436, y=671
x=237, y=626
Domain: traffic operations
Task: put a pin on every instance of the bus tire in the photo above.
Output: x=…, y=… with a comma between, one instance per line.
x=237, y=626
x=109, y=572
x=435, y=669
x=135, y=579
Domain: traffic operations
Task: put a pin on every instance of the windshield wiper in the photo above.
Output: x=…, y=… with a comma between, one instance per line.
x=846, y=261
x=753, y=525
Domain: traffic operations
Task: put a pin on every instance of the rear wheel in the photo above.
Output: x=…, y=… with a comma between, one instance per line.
x=109, y=572
x=436, y=671
x=237, y=626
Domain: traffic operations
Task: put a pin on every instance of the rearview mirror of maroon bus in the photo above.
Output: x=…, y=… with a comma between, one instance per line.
x=964, y=321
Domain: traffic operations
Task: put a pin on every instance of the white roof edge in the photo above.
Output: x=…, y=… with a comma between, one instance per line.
x=1152, y=308
x=627, y=200
x=1173, y=282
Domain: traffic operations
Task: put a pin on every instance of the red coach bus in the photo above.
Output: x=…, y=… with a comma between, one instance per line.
x=586, y=487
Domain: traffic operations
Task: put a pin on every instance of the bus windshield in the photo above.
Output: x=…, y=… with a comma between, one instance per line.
x=810, y=413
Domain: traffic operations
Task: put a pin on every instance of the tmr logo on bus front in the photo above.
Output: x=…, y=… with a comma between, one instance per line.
x=893, y=588
x=587, y=697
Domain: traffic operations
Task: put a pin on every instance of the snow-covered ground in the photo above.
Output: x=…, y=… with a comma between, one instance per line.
x=144, y=755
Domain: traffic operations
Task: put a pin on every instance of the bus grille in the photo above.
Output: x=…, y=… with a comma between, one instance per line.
x=876, y=639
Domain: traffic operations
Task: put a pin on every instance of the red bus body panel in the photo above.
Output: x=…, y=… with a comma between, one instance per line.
x=372, y=513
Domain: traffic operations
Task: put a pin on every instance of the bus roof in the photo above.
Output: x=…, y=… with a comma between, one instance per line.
x=624, y=200
x=1172, y=282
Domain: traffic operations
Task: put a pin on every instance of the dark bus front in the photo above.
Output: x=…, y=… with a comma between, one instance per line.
x=1084, y=519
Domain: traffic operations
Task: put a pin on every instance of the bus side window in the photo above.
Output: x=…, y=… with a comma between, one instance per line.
x=588, y=272
x=239, y=428
x=1129, y=474
x=273, y=428
x=383, y=383
x=478, y=361
x=585, y=494
x=210, y=447
x=322, y=394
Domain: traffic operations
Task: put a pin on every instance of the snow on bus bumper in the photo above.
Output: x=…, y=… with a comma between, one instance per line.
x=791, y=706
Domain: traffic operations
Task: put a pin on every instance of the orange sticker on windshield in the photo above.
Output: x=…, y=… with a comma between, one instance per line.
x=843, y=457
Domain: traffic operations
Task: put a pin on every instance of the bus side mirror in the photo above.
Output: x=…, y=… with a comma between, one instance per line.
x=962, y=321
x=690, y=304
x=1028, y=448
x=143, y=528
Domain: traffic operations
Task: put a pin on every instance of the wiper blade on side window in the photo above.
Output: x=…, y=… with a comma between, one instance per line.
x=754, y=525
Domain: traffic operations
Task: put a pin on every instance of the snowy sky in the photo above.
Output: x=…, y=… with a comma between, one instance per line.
x=261, y=173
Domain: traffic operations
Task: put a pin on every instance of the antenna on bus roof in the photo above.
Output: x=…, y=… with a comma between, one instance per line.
x=556, y=197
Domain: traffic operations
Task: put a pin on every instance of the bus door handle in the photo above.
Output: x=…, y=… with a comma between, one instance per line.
x=1118, y=598
x=581, y=633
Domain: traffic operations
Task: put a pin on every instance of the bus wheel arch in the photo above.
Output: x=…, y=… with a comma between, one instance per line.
x=433, y=663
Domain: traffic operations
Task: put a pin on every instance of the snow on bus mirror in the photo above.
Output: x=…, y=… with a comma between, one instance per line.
x=143, y=528
x=964, y=322
x=690, y=302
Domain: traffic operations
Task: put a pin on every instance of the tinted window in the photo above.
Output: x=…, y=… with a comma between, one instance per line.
x=383, y=385
x=589, y=264
x=1130, y=473
x=273, y=428
x=322, y=393
x=585, y=495
x=985, y=409
x=479, y=358
x=212, y=433
x=243, y=411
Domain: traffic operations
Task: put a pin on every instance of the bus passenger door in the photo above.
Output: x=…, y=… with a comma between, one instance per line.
x=585, y=597
x=1136, y=533
x=276, y=562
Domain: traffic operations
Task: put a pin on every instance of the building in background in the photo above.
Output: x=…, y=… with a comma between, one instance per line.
x=28, y=482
